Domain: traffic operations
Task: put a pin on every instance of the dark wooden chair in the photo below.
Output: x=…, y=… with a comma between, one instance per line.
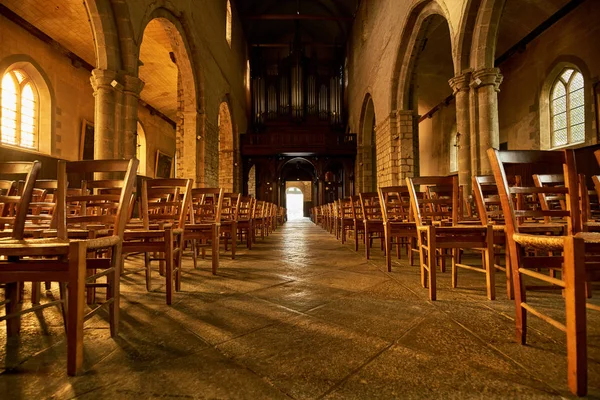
x=575, y=254
x=230, y=207
x=372, y=220
x=245, y=224
x=438, y=228
x=399, y=227
x=357, y=216
x=346, y=218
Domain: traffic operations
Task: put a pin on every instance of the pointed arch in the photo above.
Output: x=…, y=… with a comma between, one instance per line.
x=226, y=149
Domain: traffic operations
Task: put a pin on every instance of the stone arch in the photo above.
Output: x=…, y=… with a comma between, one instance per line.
x=226, y=149
x=105, y=33
x=466, y=30
x=45, y=92
x=367, y=152
x=485, y=34
x=190, y=123
x=555, y=70
x=406, y=57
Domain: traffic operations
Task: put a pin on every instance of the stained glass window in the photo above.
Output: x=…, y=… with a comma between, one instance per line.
x=228, y=24
x=19, y=124
x=567, y=109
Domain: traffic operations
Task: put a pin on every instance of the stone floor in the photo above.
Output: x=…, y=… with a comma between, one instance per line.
x=300, y=316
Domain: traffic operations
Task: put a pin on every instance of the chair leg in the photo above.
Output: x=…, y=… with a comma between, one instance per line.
x=36, y=288
x=113, y=291
x=575, y=277
x=431, y=259
x=455, y=253
x=76, y=301
x=520, y=295
x=168, y=238
x=490, y=274
x=13, y=325
x=388, y=250
x=148, y=271
x=178, y=255
x=215, y=249
x=509, y=283
x=368, y=242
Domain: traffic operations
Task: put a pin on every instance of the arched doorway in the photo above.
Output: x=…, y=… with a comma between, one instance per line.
x=294, y=200
x=367, y=165
x=300, y=173
x=141, y=150
x=226, y=150
x=252, y=181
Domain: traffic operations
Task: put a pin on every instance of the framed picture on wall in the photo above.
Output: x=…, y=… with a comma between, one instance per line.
x=164, y=165
x=86, y=142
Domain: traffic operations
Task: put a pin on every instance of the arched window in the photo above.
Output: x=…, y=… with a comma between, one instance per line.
x=140, y=149
x=567, y=111
x=228, y=24
x=20, y=109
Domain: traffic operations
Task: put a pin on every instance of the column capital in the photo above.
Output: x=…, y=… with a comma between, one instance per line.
x=409, y=113
x=487, y=77
x=103, y=78
x=461, y=82
x=133, y=85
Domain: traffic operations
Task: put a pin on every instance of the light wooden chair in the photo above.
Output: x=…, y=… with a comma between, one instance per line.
x=575, y=254
x=399, y=227
x=438, y=229
x=346, y=218
x=372, y=220
x=359, y=224
x=60, y=259
x=245, y=224
x=205, y=223
x=230, y=207
x=165, y=203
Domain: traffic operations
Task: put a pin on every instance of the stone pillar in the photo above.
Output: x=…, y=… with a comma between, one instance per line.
x=105, y=143
x=406, y=147
x=460, y=87
x=486, y=82
x=131, y=94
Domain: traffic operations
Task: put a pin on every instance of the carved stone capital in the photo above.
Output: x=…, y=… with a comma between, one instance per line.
x=133, y=85
x=487, y=77
x=460, y=83
x=103, y=79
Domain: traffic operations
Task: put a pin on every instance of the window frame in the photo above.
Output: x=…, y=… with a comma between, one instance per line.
x=20, y=87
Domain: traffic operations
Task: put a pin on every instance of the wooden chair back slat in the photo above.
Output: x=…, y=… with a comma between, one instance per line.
x=14, y=207
x=440, y=201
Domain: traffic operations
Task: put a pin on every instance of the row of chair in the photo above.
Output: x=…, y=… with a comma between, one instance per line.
x=79, y=237
x=543, y=222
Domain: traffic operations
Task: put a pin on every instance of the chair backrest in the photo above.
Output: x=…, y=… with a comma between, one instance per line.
x=395, y=203
x=440, y=202
x=166, y=201
x=487, y=199
x=371, y=209
x=14, y=206
x=550, y=201
x=259, y=209
x=97, y=207
x=346, y=208
x=230, y=206
x=357, y=212
x=206, y=205
x=43, y=203
x=514, y=212
x=246, y=208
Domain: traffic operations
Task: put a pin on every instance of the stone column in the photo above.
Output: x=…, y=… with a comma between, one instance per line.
x=487, y=82
x=131, y=93
x=105, y=143
x=460, y=87
x=406, y=147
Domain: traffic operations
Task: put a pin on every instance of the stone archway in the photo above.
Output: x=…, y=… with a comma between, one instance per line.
x=367, y=148
x=226, y=155
x=189, y=116
x=403, y=106
x=141, y=150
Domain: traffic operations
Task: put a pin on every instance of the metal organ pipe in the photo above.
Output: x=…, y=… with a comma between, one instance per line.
x=258, y=91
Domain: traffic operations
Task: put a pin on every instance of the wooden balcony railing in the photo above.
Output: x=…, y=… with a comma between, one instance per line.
x=318, y=143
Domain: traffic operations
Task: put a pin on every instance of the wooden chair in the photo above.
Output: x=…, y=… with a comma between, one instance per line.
x=245, y=223
x=230, y=207
x=165, y=204
x=346, y=218
x=372, y=220
x=438, y=229
x=66, y=261
x=260, y=223
x=399, y=227
x=205, y=223
x=579, y=252
x=357, y=216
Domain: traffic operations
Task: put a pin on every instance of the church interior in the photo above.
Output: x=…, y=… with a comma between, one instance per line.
x=299, y=199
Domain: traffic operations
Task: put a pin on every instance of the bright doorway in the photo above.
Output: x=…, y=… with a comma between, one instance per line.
x=294, y=200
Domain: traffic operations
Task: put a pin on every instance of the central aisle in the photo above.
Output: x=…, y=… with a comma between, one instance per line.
x=298, y=316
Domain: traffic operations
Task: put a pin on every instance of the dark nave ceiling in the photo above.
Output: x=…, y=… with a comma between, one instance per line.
x=321, y=25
